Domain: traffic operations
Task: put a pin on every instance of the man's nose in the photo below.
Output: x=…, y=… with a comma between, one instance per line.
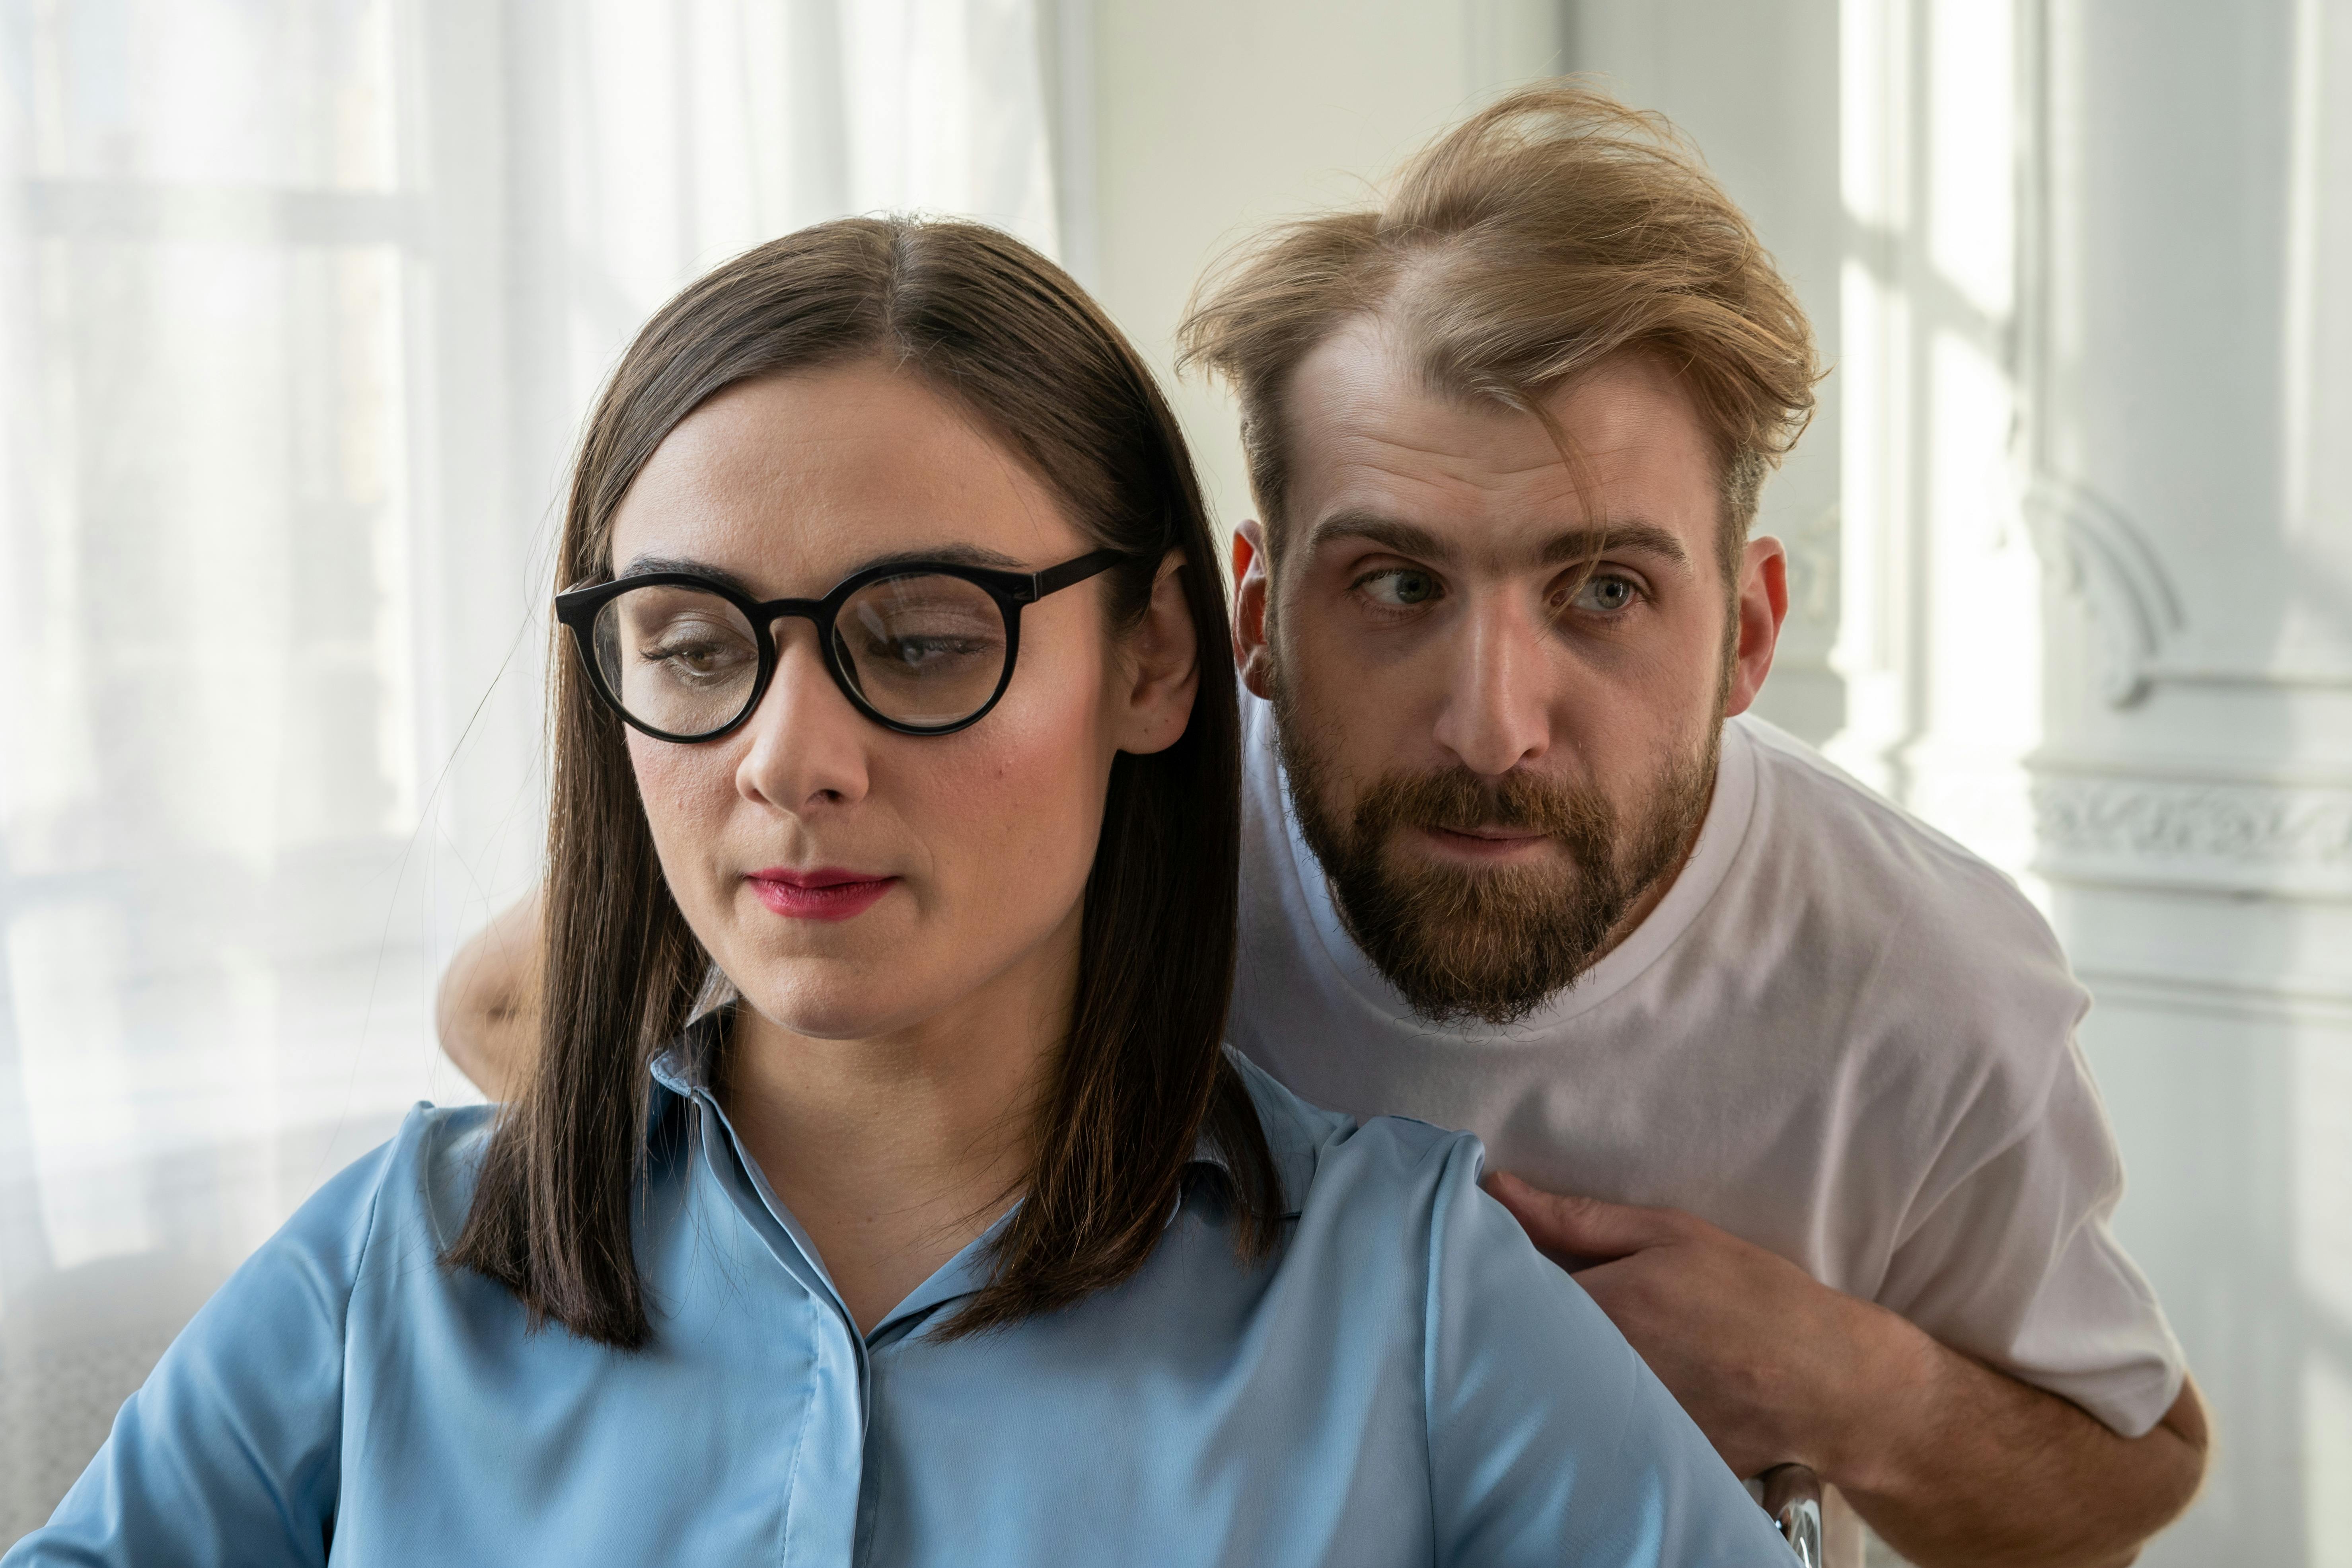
x=808, y=744
x=1497, y=708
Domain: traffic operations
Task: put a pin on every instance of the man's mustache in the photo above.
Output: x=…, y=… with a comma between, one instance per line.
x=1456, y=800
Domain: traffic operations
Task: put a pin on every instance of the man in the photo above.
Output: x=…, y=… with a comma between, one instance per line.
x=1790, y=1079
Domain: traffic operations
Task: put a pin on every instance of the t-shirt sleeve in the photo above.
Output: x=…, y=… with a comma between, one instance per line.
x=1550, y=1441
x=229, y=1453
x=2012, y=1262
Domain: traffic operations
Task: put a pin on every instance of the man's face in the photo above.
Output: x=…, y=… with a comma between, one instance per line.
x=1498, y=695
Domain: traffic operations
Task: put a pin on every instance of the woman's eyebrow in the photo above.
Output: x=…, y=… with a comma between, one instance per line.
x=950, y=554
x=647, y=565
x=943, y=554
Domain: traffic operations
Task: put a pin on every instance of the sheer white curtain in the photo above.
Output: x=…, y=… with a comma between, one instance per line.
x=300, y=304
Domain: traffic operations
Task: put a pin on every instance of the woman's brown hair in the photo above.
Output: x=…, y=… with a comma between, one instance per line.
x=1140, y=1078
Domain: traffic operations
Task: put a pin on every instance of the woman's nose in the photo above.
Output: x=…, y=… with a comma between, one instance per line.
x=808, y=744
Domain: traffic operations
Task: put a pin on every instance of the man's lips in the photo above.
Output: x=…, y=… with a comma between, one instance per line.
x=1485, y=843
x=827, y=893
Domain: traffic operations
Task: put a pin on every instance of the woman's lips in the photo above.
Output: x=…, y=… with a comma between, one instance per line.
x=827, y=893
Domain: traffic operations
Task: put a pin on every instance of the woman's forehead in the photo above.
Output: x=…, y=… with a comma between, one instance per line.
x=789, y=479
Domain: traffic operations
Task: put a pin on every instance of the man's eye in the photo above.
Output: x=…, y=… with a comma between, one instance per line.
x=1399, y=586
x=1603, y=596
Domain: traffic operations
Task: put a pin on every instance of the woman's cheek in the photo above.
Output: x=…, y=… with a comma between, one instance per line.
x=676, y=785
x=1017, y=810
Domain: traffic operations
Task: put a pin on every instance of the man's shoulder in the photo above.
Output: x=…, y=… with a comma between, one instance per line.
x=1935, y=944
x=1827, y=835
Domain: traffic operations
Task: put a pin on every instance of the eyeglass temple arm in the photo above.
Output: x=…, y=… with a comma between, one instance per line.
x=1055, y=579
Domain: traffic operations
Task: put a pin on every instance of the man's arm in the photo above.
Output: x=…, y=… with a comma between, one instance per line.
x=488, y=1011
x=1947, y=1459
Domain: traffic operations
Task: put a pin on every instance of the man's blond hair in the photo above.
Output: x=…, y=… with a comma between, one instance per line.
x=1552, y=230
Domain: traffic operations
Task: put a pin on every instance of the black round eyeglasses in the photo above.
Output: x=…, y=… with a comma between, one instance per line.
x=923, y=648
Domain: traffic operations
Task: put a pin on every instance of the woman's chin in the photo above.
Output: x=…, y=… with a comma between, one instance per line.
x=833, y=999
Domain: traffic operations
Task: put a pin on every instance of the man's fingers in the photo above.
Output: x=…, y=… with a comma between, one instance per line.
x=1576, y=1230
x=1614, y=1291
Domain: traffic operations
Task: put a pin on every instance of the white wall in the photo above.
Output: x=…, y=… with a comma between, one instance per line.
x=2186, y=370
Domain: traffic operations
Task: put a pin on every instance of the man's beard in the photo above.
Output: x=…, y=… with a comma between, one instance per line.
x=1492, y=943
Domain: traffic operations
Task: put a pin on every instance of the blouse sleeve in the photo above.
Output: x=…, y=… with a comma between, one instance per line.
x=1550, y=1441
x=229, y=1453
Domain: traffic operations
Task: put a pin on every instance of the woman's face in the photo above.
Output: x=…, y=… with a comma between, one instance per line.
x=956, y=863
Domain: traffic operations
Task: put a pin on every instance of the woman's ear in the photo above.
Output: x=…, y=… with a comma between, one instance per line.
x=1161, y=667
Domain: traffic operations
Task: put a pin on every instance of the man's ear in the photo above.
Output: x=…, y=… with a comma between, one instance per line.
x=1253, y=657
x=1763, y=606
x=1161, y=667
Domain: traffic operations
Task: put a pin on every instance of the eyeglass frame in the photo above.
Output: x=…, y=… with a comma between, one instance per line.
x=577, y=608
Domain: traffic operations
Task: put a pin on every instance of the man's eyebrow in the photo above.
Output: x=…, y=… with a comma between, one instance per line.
x=1624, y=533
x=1389, y=532
x=944, y=554
x=1571, y=544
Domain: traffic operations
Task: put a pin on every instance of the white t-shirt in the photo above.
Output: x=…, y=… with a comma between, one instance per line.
x=1839, y=1035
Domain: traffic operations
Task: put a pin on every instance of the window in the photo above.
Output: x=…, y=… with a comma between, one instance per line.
x=302, y=302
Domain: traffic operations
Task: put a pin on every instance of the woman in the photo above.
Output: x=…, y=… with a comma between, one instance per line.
x=942, y=1230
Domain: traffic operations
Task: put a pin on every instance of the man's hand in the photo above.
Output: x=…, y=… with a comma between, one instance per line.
x=1766, y=1358
x=1951, y=1461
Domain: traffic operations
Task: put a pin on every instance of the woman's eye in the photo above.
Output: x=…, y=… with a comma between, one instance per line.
x=922, y=652
x=1402, y=587
x=1602, y=595
x=698, y=657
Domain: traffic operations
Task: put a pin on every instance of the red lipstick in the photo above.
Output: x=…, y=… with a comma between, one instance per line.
x=827, y=893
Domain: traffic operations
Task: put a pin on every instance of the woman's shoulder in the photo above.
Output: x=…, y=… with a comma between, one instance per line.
x=1329, y=1158
x=418, y=1183
x=234, y=1436
x=1390, y=1218
x=436, y=1159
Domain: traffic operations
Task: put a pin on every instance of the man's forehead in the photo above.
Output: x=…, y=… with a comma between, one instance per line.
x=1358, y=397
x=1367, y=435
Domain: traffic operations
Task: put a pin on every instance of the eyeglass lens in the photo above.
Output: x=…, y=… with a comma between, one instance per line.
x=925, y=650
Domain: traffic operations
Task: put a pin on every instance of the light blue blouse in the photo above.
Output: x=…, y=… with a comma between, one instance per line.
x=1407, y=1382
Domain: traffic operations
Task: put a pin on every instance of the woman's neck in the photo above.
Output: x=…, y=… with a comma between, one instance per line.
x=895, y=1153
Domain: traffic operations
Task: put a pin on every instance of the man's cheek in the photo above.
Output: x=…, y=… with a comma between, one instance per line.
x=1363, y=724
